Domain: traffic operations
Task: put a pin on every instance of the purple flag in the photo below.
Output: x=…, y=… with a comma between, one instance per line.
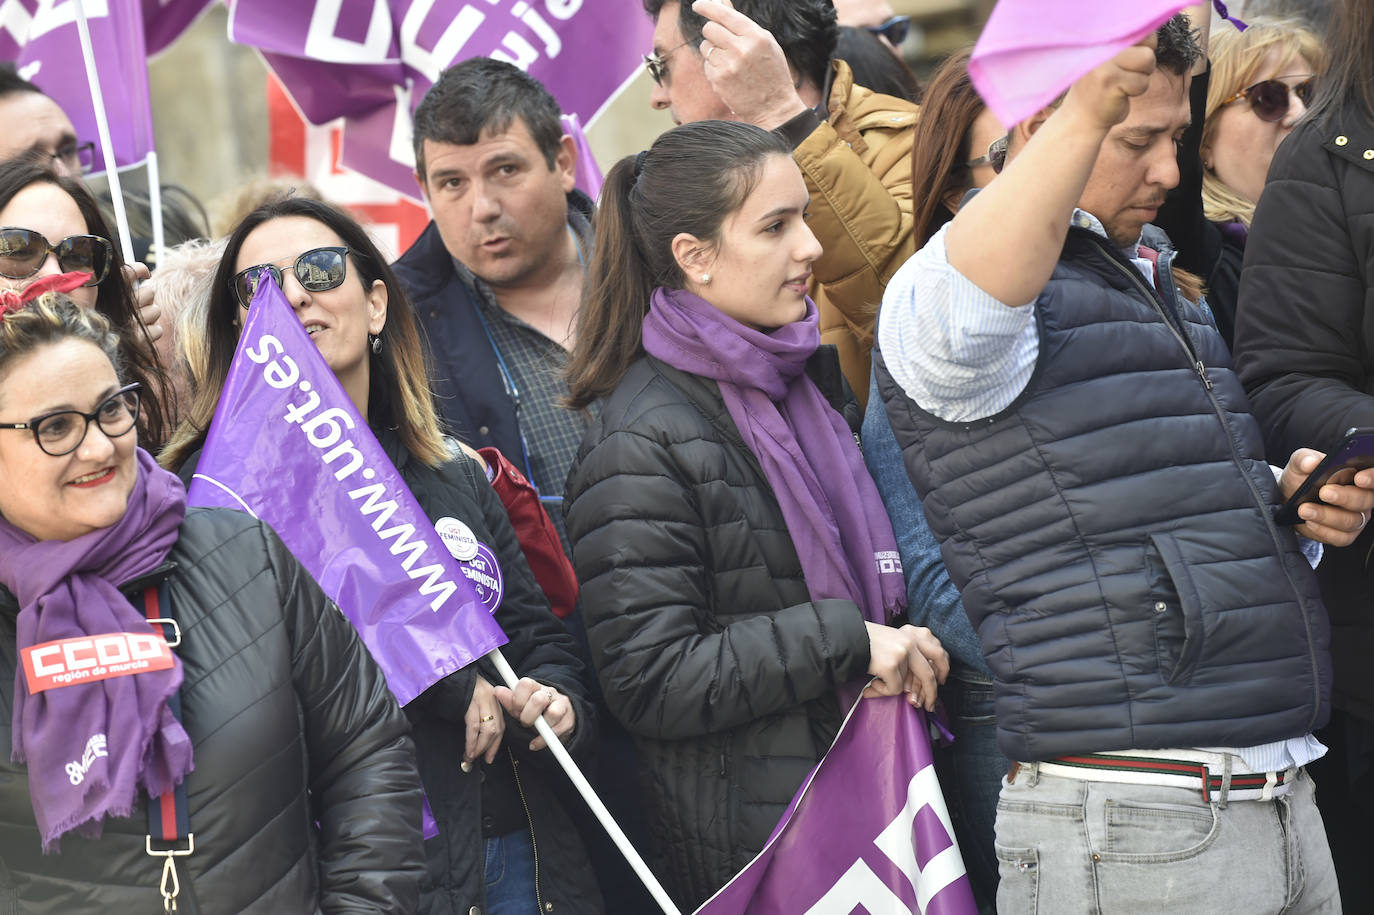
x=165, y=20
x=288, y=446
x=371, y=62
x=1030, y=51
x=867, y=832
x=41, y=38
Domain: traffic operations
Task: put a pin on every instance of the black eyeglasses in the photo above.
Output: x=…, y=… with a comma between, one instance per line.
x=995, y=157
x=657, y=64
x=63, y=432
x=894, y=30
x=1269, y=98
x=318, y=270
x=23, y=251
x=76, y=158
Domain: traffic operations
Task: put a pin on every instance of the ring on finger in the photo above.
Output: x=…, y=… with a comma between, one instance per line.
x=709, y=51
x=485, y=718
x=550, y=694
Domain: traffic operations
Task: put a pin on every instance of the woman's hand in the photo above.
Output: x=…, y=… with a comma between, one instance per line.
x=530, y=699
x=909, y=660
x=485, y=724
x=149, y=313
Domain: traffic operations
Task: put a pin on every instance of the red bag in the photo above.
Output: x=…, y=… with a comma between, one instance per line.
x=539, y=539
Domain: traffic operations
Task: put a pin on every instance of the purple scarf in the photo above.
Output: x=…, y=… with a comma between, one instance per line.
x=837, y=521
x=68, y=589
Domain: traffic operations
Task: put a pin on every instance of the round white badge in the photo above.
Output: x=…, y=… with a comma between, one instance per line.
x=458, y=537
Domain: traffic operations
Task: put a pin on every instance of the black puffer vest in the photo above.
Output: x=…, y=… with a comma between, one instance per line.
x=1112, y=531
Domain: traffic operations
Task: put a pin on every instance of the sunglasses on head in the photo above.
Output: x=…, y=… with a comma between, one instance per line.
x=23, y=251
x=995, y=157
x=894, y=30
x=1269, y=98
x=318, y=270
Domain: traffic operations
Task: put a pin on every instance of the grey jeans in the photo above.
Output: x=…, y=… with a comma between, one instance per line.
x=1071, y=847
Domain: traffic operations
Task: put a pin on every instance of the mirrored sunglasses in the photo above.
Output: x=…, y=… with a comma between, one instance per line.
x=995, y=157
x=23, y=251
x=894, y=30
x=318, y=270
x=1269, y=98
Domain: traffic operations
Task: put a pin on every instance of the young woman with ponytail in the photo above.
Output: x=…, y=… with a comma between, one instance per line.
x=736, y=563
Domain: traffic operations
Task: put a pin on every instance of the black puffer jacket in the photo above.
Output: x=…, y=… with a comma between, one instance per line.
x=520, y=786
x=292, y=726
x=1305, y=343
x=707, y=644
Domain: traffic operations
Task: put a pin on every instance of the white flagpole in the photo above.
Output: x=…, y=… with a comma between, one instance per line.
x=102, y=124
x=589, y=795
x=155, y=201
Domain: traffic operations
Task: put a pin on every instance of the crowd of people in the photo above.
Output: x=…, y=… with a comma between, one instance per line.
x=841, y=389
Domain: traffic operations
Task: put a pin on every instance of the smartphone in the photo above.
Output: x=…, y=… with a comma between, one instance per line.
x=1353, y=454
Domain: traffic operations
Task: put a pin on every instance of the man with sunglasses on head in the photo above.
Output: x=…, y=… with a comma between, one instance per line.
x=1088, y=460
x=771, y=63
x=876, y=16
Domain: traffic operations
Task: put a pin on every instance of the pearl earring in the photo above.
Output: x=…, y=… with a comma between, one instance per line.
x=705, y=279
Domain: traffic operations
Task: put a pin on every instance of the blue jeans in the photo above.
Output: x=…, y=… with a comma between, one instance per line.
x=971, y=771
x=510, y=875
x=1068, y=845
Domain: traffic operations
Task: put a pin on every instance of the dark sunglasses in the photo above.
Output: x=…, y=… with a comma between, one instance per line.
x=995, y=157
x=23, y=251
x=894, y=30
x=63, y=432
x=1269, y=98
x=657, y=64
x=318, y=270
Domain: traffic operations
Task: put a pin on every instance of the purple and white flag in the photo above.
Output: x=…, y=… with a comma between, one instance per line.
x=371, y=61
x=867, y=832
x=1030, y=51
x=40, y=36
x=287, y=446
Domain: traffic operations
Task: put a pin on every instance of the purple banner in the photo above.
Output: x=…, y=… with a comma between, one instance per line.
x=1031, y=51
x=42, y=39
x=288, y=446
x=371, y=62
x=868, y=832
x=165, y=20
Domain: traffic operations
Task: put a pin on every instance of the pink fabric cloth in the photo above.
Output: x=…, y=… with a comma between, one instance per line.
x=1030, y=51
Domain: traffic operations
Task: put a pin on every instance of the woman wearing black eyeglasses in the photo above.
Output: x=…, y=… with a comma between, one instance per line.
x=144, y=646
x=51, y=224
x=504, y=838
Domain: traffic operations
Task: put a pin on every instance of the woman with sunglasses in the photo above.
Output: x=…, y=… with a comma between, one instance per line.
x=724, y=529
x=51, y=224
x=1305, y=353
x=144, y=646
x=1254, y=93
x=505, y=843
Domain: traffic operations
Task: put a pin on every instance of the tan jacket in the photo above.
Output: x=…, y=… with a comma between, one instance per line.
x=857, y=167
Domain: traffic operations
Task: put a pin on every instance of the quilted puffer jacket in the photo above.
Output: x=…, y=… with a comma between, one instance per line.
x=1305, y=342
x=707, y=644
x=857, y=166
x=305, y=796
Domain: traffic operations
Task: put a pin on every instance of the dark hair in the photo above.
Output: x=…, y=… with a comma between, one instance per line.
x=940, y=147
x=1178, y=48
x=183, y=217
x=690, y=180
x=398, y=390
x=11, y=81
x=1349, y=75
x=114, y=299
x=481, y=93
x=875, y=66
x=804, y=29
